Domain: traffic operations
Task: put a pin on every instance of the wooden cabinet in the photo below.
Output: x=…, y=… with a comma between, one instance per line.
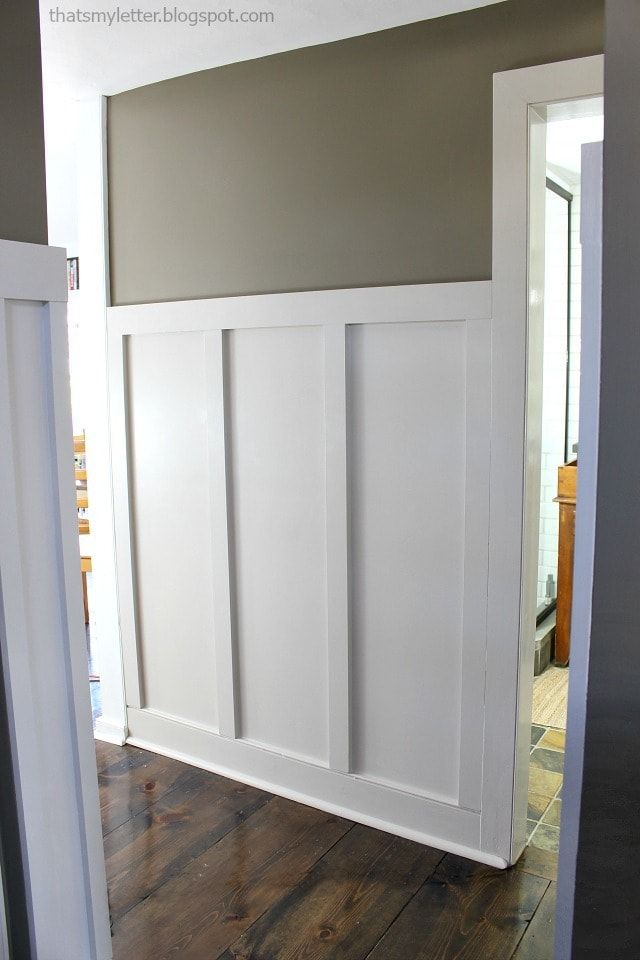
x=566, y=500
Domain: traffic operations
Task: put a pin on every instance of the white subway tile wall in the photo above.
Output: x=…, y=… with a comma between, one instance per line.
x=554, y=372
x=576, y=314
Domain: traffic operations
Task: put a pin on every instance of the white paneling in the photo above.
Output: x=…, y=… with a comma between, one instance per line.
x=42, y=637
x=277, y=441
x=346, y=466
x=407, y=472
x=335, y=390
x=476, y=545
x=418, y=818
x=218, y=496
x=27, y=366
x=410, y=303
x=32, y=271
x=168, y=443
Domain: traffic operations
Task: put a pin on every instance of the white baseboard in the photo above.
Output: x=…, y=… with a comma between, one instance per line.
x=417, y=836
x=110, y=732
x=445, y=826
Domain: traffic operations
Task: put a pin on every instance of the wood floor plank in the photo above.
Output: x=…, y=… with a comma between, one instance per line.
x=203, y=868
x=221, y=893
x=465, y=911
x=344, y=904
x=537, y=942
x=108, y=753
x=160, y=841
x=133, y=782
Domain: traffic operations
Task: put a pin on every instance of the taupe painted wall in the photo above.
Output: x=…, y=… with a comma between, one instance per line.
x=23, y=200
x=362, y=162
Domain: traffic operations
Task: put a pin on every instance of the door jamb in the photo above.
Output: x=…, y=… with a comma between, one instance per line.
x=518, y=141
x=91, y=114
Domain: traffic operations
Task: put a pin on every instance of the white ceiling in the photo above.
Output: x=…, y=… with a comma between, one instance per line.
x=109, y=59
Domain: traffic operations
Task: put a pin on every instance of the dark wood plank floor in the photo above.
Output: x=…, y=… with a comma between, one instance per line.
x=201, y=867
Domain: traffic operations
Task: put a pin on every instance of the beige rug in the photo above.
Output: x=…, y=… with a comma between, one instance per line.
x=550, y=697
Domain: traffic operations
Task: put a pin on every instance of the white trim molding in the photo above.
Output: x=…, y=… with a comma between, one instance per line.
x=110, y=732
x=30, y=271
x=591, y=211
x=42, y=633
x=519, y=135
x=94, y=299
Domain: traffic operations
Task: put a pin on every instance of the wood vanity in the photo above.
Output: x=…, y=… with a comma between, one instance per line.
x=566, y=499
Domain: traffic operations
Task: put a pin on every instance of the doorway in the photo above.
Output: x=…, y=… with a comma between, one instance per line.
x=524, y=101
x=81, y=386
x=568, y=127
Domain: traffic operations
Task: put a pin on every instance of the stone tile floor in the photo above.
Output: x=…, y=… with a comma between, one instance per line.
x=545, y=787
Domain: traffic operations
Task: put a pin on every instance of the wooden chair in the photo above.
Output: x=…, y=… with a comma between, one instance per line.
x=82, y=501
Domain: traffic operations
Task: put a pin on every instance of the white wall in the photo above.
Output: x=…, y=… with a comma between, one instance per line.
x=576, y=320
x=554, y=361
x=554, y=384
x=554, y=369
x=564, y=140
x=61, y=149
x=60, y=132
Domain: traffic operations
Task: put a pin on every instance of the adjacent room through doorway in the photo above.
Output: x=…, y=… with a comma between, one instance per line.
x=566, y=131
x=80, y=398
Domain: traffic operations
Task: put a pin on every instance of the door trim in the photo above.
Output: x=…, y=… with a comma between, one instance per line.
x=93, y=228
x=519, y=138
x=44, y=671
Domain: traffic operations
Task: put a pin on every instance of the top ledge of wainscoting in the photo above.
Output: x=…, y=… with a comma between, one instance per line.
x=33, y=271
x=461, y=301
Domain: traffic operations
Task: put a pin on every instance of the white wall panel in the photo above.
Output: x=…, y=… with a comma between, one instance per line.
x=339, y=559
x=277, y=443
x=407, y=492
x=42, y=636
x=36, y=544
x=167, y=409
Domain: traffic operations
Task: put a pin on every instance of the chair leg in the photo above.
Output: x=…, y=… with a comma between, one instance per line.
x=85, y=597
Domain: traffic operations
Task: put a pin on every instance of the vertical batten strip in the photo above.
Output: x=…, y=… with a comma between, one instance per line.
x=476, y=538
x=222, y=618
x=337, y=548
x=123, y=520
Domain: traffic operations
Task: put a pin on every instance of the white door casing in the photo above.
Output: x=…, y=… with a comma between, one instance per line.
x=93, y=249
x=522, y=99
x=42, y=636
x=591, y=211
x=301, y=497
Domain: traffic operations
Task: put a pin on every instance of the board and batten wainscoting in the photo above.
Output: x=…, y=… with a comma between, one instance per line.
x=301, y=488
